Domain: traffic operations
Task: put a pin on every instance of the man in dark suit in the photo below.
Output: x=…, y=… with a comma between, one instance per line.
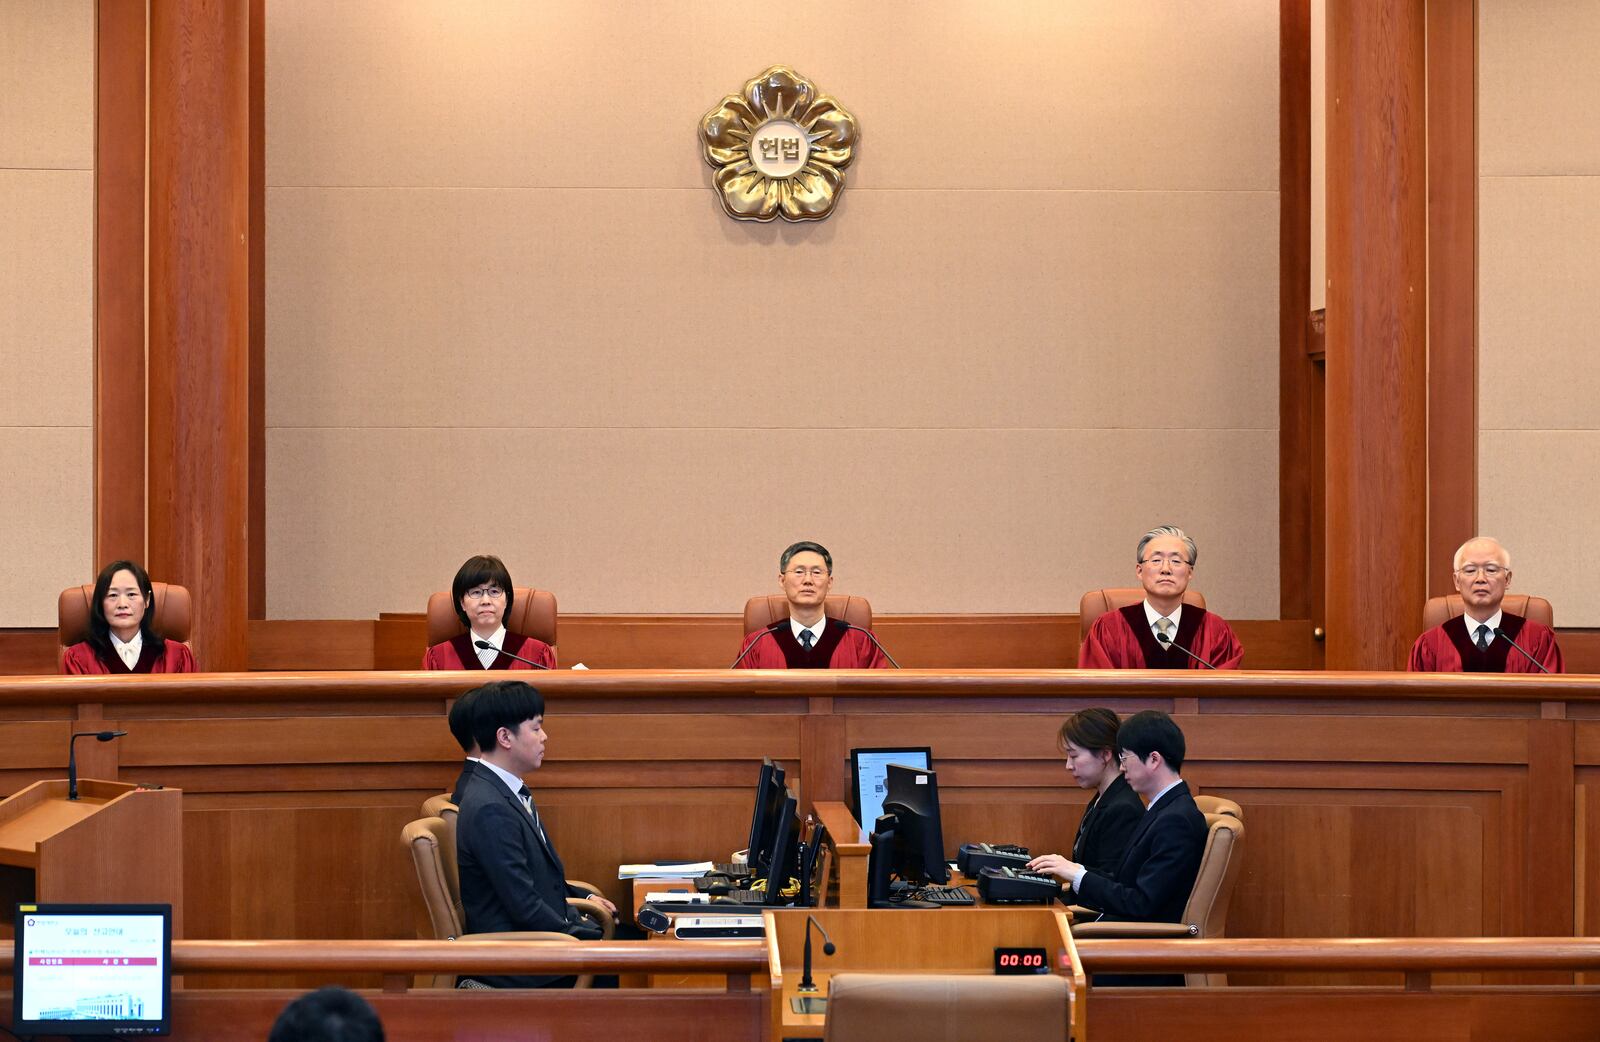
x=461, y=729
x=1153, y=881
x=511, y=877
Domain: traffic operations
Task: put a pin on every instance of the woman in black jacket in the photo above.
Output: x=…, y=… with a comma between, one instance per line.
x=1089, y=739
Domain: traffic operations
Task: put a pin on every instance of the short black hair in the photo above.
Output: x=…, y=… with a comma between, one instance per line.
x=1092, y=729
x=327, y=1015
x=801, y=547
x=484, y=568
x=504, y=703
x=461, y=720
x=100, y=629
x=1152, y=731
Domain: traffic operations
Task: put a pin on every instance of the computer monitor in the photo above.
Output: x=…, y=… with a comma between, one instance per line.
x=92, y=969
x=869, y=771
x=907, y=839
x=770, y=793
x=785, y=863
x=811, y=867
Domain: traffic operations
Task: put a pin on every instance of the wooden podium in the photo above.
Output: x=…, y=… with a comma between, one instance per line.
x=116, y=843
x=910, y=941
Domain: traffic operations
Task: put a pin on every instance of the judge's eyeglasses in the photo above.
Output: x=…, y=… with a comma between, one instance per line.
x=1490, y=571
x=485, y=593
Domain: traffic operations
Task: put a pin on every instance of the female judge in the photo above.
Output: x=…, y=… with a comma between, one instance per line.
x=1089, y=739
x=122, y=636
x=483, y=597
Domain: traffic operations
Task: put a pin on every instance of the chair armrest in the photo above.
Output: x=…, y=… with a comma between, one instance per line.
x=579, y=884
x=596, y=911
x=1085, y=931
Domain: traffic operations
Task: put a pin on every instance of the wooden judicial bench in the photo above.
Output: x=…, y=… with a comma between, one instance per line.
x=1378, y=804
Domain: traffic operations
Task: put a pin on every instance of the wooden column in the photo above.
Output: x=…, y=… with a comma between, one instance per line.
x=199, y=315
x=1452, y=286
x=1376, y=331
x=119, y=288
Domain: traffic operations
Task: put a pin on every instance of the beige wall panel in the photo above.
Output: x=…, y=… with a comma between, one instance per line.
x=1539, y=276
x=45, y=513
x=1538, y=86
x=46, y=297
x=950, y=93
x=46, y=84
x=692, y=521
x=627, y=308
x=1535, y=488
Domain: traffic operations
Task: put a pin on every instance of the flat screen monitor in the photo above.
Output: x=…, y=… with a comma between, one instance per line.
x=770, y=793
x=785, y=863
x=93, y=969
x=912, y=797
x=870, y=770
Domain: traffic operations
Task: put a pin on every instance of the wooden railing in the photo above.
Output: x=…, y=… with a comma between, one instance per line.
x=1409, y=955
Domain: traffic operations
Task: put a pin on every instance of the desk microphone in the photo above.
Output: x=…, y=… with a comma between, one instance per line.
x=72, y=756
x=486, y=646
x=752, y=645
x=1168, y=642
x=806, y=983
x=869, y=636
x=1498, y=632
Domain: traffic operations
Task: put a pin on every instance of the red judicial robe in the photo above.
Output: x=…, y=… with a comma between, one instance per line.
x=458, y=653
x=1122, y=640
x=174, y=657
x=1448, y=648
x=837, y=648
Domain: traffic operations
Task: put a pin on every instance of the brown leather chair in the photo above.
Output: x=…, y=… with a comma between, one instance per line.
x=1219, y=805
x=532, y=614
x=1440, y=610
x=1096, y=603
x=440, y=807
x=172, y=613
x=1206, y=914
x=882, y=1007
x=761, y=612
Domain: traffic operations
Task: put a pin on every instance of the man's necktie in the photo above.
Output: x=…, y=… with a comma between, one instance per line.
x=1165, y=628
x=806, y=637
x=1483, y=637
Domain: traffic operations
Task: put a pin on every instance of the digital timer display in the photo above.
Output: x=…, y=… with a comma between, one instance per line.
x=1011, y=961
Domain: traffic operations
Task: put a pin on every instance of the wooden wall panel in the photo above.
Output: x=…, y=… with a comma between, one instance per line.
x=1299, y=442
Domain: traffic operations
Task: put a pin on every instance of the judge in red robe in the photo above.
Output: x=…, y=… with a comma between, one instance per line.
x=808, y=639
x=122, y=639
x=1132, y=638
x=483, y=597
x=1487, y=639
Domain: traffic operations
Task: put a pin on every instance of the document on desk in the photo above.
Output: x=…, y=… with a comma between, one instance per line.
x=666, y=870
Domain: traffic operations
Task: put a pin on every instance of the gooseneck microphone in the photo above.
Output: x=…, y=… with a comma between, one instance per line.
x=484, y=645
x=1168, y=642
x=752, y=645
x=72, y=755
x=806, y=983
x=868, y=633
x=1503, y=635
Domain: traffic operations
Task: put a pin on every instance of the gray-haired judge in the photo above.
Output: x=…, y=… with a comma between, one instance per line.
x=1161, y=632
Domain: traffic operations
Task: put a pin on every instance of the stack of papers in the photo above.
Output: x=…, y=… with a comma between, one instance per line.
x=666, y=870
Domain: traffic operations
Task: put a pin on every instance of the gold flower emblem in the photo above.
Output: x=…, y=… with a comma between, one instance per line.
x=779, y=148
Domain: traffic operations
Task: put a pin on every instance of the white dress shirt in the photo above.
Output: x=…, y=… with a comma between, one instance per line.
x=1151, y=616
x=129, y=652
x=1493, y=622
x=497, y=638
x=816, y=631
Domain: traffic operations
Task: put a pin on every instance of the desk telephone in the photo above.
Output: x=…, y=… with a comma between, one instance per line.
x=974, y=857
x=1016, y=886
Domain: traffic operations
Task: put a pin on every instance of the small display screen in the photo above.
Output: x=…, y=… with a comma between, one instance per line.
x=93, y=969
x=871, y=769
x=1012, y=961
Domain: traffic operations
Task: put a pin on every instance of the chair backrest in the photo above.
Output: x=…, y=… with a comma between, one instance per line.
x=437, y=806
x=172, y=612
x=1440, y=610
x=1096, y=603
x=432, y=843
x=1207, y=910
x=532, y=614
x=881, y=1007
x=762, y=611
x=1207, y=805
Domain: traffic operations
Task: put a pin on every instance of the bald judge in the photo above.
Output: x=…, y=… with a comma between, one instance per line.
x=808, y=638
x=1161, y=632
x=1487, y=639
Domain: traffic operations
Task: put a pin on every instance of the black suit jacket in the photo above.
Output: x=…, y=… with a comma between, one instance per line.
x=1153, y=881
x=1107, y=827
x=511, y=876
x=461, y=781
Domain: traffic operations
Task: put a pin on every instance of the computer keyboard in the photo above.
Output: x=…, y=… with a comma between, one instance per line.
x=943, y=895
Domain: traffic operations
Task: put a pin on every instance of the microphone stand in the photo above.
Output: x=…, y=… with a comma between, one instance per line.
x=1168, y=642
x=806, y=983
x=72, y=755
x=484, y=645
x=868, y=634
x=752, y=645
x=1498, y=632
